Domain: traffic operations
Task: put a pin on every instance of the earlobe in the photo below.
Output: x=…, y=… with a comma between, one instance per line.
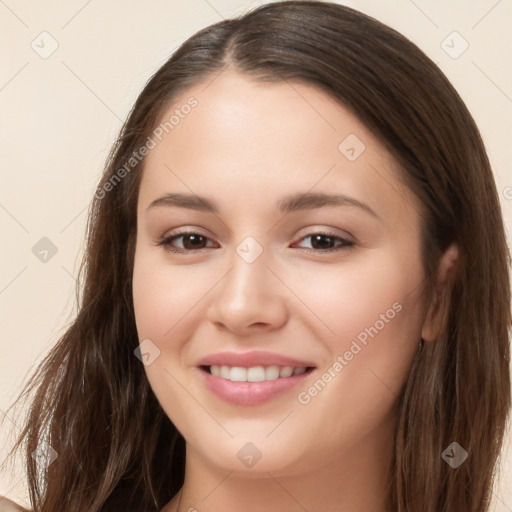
x=437, y=313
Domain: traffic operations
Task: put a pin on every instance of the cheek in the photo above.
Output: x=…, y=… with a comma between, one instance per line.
x=374, y=323
x=357, y=297
x=166, y=302
x=371, y=321
x=166, y=298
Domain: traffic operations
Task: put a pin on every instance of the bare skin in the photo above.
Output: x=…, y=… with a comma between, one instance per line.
x=246, y=146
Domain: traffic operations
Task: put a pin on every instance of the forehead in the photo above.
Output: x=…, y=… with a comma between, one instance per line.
x=249, y=141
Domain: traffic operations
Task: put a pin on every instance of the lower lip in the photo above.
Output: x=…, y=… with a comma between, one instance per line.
x=250, y=393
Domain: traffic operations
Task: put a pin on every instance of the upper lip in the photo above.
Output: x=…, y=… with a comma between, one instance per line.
x=253, y=358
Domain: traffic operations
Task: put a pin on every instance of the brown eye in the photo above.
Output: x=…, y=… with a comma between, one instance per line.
x=326, y=242
x=190, y=242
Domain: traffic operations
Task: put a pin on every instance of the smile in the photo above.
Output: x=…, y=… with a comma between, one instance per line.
x=254, y=373
x=233, y=384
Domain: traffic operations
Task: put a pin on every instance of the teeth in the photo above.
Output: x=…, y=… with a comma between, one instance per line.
x=254, y=373
x=238, y=374
x=287, y=371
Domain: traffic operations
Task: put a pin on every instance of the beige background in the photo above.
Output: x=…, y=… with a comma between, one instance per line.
x=60, y=114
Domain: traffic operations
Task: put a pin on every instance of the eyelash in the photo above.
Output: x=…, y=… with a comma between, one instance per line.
x=166, y=243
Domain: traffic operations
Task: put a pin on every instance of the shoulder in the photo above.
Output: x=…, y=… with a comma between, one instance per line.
x=7, y=505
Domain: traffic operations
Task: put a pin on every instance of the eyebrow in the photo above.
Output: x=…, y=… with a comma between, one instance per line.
x=293, y=203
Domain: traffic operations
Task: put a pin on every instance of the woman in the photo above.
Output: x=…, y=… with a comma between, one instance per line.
x=218, y=363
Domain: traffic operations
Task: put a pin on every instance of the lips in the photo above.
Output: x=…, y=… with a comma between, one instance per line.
x=251, y=378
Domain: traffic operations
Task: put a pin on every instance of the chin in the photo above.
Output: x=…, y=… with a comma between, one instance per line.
x=253, y=458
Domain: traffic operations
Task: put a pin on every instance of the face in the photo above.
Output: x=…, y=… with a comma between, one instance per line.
x=275, y=241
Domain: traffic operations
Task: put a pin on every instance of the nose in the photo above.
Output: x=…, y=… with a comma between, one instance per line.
x=249, y=299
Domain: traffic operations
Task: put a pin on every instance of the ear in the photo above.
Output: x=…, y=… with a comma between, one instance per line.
x=437, y=313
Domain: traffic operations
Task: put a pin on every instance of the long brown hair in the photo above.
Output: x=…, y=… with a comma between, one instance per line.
x=117, y=450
